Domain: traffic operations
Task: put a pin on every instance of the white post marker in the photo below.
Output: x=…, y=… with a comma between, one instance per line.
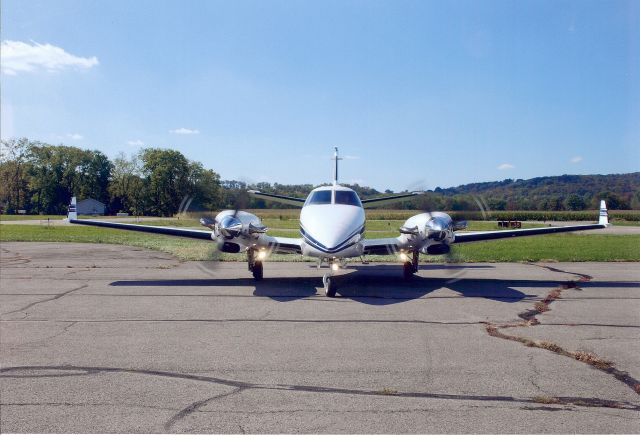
x=72, y=214
x=604, y=216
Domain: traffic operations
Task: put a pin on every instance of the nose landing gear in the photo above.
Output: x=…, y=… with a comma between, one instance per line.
x=329, y=286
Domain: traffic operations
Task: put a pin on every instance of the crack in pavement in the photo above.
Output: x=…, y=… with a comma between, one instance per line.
x=14, y=260
x=6, y=372
x=195, y=406
x=57, y=296
x=529, y=319
x=536, y=374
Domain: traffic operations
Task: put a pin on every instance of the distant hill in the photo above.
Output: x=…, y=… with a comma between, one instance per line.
x=564, y=192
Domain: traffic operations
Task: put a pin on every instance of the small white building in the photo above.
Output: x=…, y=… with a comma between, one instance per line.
x=90, y=206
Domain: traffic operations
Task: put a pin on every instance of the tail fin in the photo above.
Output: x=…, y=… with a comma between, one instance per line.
x=604, y=216
x=335, y=171
x=73, y=214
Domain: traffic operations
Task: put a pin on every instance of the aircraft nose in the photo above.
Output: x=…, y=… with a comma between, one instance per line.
x=330, y=233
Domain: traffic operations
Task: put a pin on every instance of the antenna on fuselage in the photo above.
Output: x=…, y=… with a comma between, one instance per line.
x=335, y=172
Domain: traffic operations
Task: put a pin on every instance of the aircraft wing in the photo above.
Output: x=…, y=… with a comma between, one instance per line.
x=169, y=231
x=387, y=246
x=603, y=222
x=505, y=234
x=376, y=202
x=289, y=200
x=285, y=245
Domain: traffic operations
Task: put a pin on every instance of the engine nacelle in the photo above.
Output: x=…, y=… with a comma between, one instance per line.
x=233, y=224
x=431, y=232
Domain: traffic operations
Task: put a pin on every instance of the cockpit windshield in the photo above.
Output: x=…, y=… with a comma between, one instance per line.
x=347, y=197
x=319, y=197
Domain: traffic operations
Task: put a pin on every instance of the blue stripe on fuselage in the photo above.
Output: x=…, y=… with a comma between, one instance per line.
x=339, y=247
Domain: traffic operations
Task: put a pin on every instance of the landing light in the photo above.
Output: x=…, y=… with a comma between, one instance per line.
x=262, y=255
x=335, y=266
x=403, y=257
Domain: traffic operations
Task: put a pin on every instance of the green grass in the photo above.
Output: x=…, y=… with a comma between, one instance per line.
x=30, y=217
x=561, y=247
x=622, y=223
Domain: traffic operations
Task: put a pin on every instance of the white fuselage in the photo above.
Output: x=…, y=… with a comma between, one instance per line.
x=332, y=223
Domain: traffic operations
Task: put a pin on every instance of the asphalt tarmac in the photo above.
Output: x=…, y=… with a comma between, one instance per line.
x=103, y=338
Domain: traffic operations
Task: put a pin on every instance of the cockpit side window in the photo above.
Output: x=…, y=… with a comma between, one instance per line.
x=347, y=197
x=319, y=197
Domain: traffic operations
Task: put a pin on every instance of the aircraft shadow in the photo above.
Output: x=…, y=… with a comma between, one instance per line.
x=379, y=285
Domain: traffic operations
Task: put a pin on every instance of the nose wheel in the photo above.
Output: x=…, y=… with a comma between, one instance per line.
x=329, y=286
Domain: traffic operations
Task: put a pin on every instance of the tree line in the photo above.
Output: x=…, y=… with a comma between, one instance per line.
x=41, y=179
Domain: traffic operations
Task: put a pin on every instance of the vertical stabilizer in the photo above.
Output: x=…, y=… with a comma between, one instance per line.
x=604, y=216
x=73, y=213
x=335, y=171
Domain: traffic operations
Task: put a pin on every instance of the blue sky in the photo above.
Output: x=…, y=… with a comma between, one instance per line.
x=416, y=94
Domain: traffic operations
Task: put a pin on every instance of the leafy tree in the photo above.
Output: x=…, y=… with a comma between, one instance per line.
x=127, y=189
x=14, y=166
x=167, y=175
x=575, y=202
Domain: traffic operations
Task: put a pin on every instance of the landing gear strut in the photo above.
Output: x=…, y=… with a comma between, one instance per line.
x=330, y=286
x=255, y=266
x=411, y=267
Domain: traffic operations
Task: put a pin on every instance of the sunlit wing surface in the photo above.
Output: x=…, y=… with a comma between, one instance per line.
x=505, y=234
x=168, y=231
x=287, y=245
x=288, y=200
x=386, y=200
x=386, y=246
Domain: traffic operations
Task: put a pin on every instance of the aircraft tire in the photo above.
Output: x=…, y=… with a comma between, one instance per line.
x=408, y=270
x=329, y=287
x=257, y=270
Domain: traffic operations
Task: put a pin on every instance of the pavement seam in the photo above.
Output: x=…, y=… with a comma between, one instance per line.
x=242, y=385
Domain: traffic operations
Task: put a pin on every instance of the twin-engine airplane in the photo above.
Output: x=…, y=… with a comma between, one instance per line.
x=332, y=224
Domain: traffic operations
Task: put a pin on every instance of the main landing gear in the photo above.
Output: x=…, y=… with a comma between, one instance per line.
x=255, y=265
x=410, y=266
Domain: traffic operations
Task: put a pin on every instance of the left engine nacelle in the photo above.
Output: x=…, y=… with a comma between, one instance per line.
x=433, y=232
x=233, y=229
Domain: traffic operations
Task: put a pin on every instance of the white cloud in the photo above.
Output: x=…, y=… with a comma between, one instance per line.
x=18, y=56
x=135, y=143
x=576, y=159
x=183, y=130
x=505, y=166
x=75, y=136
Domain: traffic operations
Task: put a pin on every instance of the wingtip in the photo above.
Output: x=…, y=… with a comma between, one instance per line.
x=604, y=215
